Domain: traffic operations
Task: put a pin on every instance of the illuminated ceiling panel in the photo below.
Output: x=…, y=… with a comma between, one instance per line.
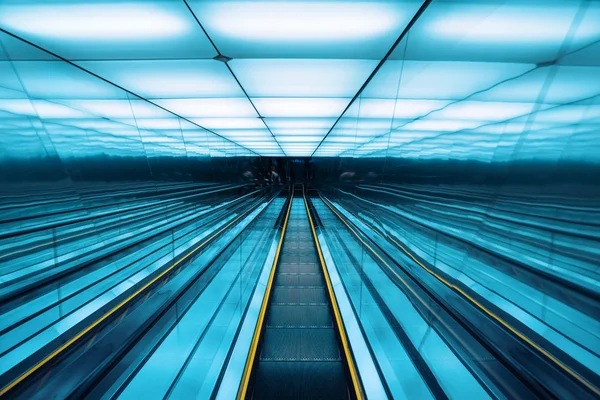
x=305, y=29
x=300, y=107
x=170, y=79
x=108, y=29
x=283, y=77
x=529, y=31
x=485, y=81
x=301, y=77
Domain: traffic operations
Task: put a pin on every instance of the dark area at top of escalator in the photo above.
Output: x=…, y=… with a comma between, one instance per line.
x=280, y=170
x=398, y=170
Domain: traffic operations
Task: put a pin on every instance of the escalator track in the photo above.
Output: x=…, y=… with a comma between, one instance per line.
x=300, y=348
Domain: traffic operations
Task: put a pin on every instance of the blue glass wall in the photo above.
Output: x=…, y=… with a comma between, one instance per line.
x=59, y=121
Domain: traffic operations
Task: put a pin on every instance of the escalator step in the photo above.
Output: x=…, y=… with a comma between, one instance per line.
x=300, y=249
x=298, y=344
x=299, y=316
x=298, y=236
x=287, y=257
x=295, y=279
x=300, y=380
x=293, y=267
x=286, y=294
x=300, y=355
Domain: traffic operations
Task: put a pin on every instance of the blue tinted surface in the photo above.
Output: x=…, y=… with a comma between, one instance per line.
x=460, y=137
x=498, y=81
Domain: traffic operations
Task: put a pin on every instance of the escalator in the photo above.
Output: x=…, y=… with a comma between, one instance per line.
x=301, y=355
x=133, y=312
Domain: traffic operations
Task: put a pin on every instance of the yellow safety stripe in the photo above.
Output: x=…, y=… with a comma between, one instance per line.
x=471, y=299
x=263, y=310
x=338, y=318
x=112, y=311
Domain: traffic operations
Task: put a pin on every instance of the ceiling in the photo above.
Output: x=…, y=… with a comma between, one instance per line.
x=404, y=78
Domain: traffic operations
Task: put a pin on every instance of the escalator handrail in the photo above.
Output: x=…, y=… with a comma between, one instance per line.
x=565, y=368
x=243, y=389
x=121, y=304
x=358, y=389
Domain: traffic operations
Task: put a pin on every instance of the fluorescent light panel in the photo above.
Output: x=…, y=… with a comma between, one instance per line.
x=106, y=29
x=493, y=31
x=514, y=24
x=169, y=78
x=400, y=109
x=119, y=108
x=209, y=108
x=438, y=80
x=304, y=29
x=299, y=139
x=300, y=123
x=229, y=123
x=301, y=77
x=300, y=107
x=299, y=132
